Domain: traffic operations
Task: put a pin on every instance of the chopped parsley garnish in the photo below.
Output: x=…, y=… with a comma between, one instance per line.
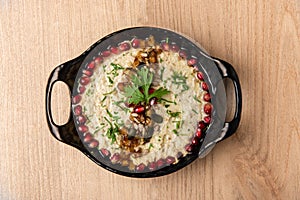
x=151, y=146
x=116, y=66
x=105, y=94
x=195, y=111
x=175, y=132
x=142, y=81
x=173, y=114
x=196, y=99
x=117, y=103
x=112, y=131
x=180, y=80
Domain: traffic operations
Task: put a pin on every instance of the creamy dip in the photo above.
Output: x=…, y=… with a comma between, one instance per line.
x=169, y=122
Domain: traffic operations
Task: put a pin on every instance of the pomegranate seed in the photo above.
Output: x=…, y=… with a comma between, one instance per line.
x=151, y=90
x=165, y=46
x=87, y=137
x=206, y=97
x=115, y=158
x=81, y=89
x=195, y=141
x=93, y=144
x=139, y=109
x=105, y=53
x=114, y=50
x=189, y=147
x=152, y=166
x=207, y=119
x=84, y=80
x=153, y=101
x=174, y=48
x=76, y=99
x=201, y=125
x=204, y=86
x=91, y=65
x=105, y=152
x=81, y=119
x=87, y=72
x=192, y=62
x=200, y=76
x=135, y=43
x=98, y=60
x=124, y=46
x=78, y=110
x=170, y=160
x=182, y=54
x=129, y=105
x=199, y=133
x=160, y=163
x=83, y=128
x=141, y=167
x=207, y=108
x=179, y=155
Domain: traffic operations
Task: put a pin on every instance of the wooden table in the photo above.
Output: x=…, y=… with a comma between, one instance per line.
x=259, y=38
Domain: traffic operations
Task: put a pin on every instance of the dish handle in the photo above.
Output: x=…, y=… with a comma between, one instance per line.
x=65, y=133
x=228, y=71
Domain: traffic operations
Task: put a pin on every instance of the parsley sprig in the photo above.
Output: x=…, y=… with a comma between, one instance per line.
x=143, y=80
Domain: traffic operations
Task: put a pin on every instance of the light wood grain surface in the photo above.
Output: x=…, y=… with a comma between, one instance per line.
x=259, y=38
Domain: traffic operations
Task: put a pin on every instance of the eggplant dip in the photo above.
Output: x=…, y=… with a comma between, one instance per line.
x=142, y=102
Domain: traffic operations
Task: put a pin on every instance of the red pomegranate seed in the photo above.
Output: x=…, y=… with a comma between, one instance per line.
x=206, y=97
x=105, y=152
x=87, y=72
x=114, y=50
x=182, y=54
x=199, y=133
x=81, y=89
x=139, y=109
x=200, y=76
x=152, y=166
x=165, y=46
x=204, y=86
x=83, y=128
x=207, y=108
x=207, y=119
x=153, y=101
x=192, y=62
x=174, y=48
x=141, y=167
x=160, y=162
x=124, y=46
x=129, y=105
x=81, y=119
x=98, y=60
x=94, y=143
x=201, y=125
x=78, y=110
x=87, y=137
x=115, y=158
x=84, y=80
x=170, y=160
x=91, y=65
x=189, y=147
x=135, y=43
x=151, y=90
x=105, y=53
x=76, y=99
x=195, y=141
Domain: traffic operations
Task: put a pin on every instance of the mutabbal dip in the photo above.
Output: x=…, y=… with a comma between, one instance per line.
x=143, y=104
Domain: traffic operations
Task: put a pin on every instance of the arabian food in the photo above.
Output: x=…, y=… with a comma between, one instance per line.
x=143, y=104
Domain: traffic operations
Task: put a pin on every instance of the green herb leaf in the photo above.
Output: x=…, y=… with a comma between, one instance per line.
x=173, y=114
x=142, y=80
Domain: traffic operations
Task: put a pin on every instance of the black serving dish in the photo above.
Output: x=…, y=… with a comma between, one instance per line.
x=213, y=70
